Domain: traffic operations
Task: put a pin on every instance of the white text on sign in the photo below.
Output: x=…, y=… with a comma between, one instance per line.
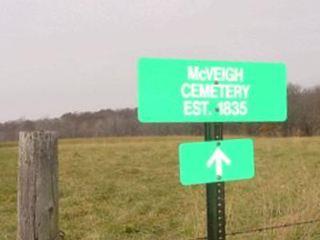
x=226, y=84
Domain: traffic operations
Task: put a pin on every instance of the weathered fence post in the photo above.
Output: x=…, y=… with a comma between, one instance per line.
x=38, y=186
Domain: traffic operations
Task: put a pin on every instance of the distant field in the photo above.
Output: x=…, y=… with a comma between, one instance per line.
x=128, y=188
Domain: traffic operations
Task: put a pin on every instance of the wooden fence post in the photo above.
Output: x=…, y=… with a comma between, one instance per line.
x=38, y=200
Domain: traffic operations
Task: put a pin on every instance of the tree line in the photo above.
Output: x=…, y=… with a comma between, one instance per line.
x=303, y=120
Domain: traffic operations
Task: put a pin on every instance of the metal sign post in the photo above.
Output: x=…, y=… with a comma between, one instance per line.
x=215, y=193
x=179, y=90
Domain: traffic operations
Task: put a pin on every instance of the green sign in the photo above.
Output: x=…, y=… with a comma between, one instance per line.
x=216, y=161
x=206, y=91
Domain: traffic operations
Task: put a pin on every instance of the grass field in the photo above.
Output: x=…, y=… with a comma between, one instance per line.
x=128, y=188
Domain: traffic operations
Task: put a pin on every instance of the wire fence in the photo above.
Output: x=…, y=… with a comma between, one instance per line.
x=268, y=228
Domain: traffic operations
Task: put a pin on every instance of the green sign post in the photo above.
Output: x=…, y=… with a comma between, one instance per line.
x=216, y=161
x=171, y=90
x=208, y=91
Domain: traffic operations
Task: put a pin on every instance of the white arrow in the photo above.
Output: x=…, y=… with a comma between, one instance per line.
x=218, y=157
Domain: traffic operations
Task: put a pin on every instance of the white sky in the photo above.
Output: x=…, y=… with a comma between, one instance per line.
x=58, y=56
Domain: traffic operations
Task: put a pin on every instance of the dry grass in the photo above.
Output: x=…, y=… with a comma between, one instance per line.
x=128, y=188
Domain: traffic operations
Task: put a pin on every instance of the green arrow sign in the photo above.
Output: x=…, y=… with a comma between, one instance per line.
x=206, y=91
x=216, y=161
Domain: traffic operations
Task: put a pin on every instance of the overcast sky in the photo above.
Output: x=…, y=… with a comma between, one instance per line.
x=60, y=56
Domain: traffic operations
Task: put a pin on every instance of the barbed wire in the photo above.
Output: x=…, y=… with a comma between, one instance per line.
x=268, y=228
x=285, y=225
x=60, y=235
